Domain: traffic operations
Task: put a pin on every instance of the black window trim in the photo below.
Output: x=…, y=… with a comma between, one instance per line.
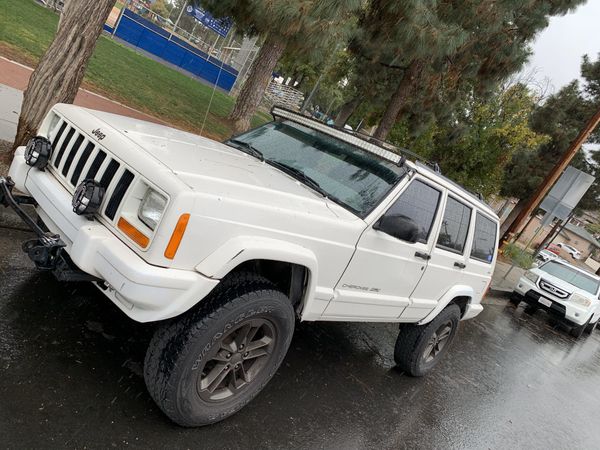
x=451, y=250
x=435, y=213
x=473, y=240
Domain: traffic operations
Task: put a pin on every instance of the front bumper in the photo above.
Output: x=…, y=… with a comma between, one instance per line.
x=142, y=291
x=572, y=313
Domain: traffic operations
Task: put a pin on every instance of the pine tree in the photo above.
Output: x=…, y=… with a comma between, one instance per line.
x=298, y=26
x=61, y=69
x=452, y=46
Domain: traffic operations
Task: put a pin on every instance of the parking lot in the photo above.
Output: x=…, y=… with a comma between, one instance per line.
x=71, y=365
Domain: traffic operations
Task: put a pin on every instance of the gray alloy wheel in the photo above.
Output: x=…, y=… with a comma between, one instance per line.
x=237, y=360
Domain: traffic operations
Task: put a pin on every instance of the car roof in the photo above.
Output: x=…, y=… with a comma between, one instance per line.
x=389, y=152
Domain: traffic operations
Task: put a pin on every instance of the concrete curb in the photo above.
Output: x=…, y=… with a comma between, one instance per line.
x=499, y=292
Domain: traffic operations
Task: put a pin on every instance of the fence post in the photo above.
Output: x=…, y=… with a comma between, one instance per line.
x=117, y=23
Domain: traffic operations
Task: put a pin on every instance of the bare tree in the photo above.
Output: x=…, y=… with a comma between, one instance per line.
x=61, y=69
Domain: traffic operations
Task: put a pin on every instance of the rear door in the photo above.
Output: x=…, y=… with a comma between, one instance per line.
x=448, y=259
x=481, y=254
x=385, y=270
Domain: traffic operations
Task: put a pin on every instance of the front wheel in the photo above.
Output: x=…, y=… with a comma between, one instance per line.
x=591, y=327
x=210, y=363
x=577, y=331
x=419, y=348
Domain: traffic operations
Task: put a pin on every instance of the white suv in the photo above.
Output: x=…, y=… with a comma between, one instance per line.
x=575, y=254
x=226, y=243
x=566, y=291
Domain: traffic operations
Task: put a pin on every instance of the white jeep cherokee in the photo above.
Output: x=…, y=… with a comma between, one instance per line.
x=226, y=243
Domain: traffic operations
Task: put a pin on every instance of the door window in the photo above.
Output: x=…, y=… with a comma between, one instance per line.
x=484, y=240
x=455, y=226
x=419, y=203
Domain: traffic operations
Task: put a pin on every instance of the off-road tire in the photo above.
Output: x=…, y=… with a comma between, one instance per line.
x=173, y=364
x=413, y=340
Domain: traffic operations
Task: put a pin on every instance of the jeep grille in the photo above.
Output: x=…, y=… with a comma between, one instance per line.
x=76, y=157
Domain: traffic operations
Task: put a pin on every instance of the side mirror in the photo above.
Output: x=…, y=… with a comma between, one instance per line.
x=400, y=227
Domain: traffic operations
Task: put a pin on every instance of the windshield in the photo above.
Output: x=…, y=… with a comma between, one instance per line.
x=348, y=175
x=573, y=276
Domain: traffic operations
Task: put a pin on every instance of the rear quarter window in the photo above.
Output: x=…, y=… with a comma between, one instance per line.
x=484, y=239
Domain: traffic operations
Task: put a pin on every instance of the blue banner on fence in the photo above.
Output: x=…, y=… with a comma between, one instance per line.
x=220, y=26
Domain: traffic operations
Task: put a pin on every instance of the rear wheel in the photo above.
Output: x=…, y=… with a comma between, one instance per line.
x=419, y=348
x=207, y=365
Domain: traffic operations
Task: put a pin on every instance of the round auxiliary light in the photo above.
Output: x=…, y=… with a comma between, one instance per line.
x=87, y=198
x=37, y=152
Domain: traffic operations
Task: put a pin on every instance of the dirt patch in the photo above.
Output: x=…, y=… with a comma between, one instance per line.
x=5, y=147
x=11, y=52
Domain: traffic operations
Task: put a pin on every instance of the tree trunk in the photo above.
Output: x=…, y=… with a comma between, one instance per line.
x=397, y=101
x=346, y=111
x=61, y=69
x=512, y=216
x=258, y=79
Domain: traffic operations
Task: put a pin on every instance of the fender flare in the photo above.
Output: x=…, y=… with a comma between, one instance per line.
x=460, y=290
x=247, y=248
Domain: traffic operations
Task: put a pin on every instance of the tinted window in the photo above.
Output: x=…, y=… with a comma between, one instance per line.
x=455, y=226
x=419, y=203
x=351, y=176
x=572, y=275
x=484, y=241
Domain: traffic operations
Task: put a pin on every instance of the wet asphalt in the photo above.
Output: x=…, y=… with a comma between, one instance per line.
x=71, y=377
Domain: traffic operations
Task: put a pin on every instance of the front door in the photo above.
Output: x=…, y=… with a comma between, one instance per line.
x=385, y=270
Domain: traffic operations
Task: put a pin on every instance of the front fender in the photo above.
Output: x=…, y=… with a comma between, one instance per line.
x=460, y=290
x=247, y=248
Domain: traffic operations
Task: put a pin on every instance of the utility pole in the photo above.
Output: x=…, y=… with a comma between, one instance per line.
x=551, y=178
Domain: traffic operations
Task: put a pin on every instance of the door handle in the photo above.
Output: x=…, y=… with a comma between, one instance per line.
x=422, y=255
x=460, y=265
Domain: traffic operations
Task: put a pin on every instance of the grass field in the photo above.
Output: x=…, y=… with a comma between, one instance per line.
x=119, y=73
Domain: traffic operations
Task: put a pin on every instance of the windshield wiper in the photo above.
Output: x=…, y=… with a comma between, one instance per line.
x=246, y=148
x=299, y=175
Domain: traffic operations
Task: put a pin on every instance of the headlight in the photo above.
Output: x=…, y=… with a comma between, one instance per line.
x=532, y=276
x=581, y=300
x=152, y=208
x=38, y=152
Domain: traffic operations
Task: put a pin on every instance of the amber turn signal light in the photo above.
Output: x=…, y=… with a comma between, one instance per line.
x=177, y=236
x=132, y=232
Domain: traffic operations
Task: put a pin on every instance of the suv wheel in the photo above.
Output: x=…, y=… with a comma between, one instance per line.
x=208, y=364
x=419, y=348
x=577, y=331
x=591, y=327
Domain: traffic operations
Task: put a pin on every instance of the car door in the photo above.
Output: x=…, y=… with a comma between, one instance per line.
x=447, y=261
x=482, y=254
x=384, y=270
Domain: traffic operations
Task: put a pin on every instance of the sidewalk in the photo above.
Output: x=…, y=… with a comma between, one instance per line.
x=14, y=78
x=502, y=284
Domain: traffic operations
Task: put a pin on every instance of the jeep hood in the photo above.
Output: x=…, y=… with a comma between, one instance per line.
x=212, y=168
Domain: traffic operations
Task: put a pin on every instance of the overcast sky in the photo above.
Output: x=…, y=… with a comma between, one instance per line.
x=558, y=49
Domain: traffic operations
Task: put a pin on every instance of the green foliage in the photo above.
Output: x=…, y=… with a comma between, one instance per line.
x=312, y=27
x=593, y=228
x=475, y=143
x=160, y=7
x=518, y=256
x=562, y=116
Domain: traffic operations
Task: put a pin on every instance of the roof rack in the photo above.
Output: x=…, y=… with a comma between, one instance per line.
x=362, y=140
